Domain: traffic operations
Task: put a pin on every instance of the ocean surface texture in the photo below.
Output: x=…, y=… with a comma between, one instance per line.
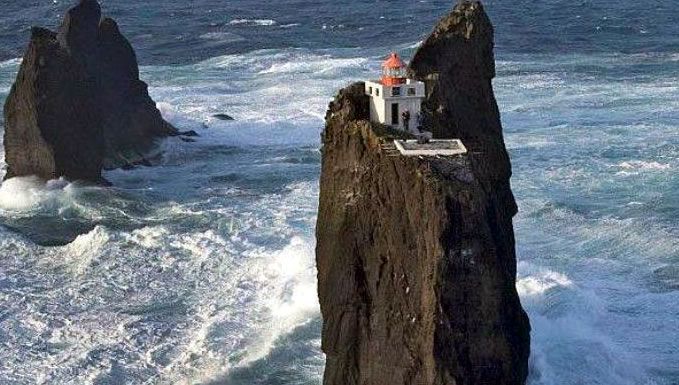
x=201, y=270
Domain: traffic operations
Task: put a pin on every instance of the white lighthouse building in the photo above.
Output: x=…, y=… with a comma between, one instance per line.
x=394, y=94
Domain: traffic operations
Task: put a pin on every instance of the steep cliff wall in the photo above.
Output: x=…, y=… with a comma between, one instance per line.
x=415, y=256
x=77, y=104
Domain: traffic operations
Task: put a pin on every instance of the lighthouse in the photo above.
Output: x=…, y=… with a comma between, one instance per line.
x=395, y=100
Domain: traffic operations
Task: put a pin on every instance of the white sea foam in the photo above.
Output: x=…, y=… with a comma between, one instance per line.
x=570, y=350
x=415, y=45
x=281, y=93
x=12, y=63
x=28, y=193
x=78, y=255
x=218, y=300
x=586, y=317
x=170, y=113
x=537, y=282
x=222, y=37
x=568, y=325
x=290, y=296
x=21, y=193
x=149, y=237
x=317, y=65
x=260, y=22
x=635, y=168
x=8, y=69
x=267, y=131
x=640, y=165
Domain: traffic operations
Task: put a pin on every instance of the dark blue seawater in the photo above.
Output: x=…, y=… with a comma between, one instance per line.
x=201, y=271
x=182, y=32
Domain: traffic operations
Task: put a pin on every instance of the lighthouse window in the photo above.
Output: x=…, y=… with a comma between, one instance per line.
x=377, y=91
x=370, y=90
x=411, y=91
x=396, y=91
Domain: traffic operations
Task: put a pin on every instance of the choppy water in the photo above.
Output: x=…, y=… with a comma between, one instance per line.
x=201, y=270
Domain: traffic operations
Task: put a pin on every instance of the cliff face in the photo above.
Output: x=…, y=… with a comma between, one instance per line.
x=78, y=104
x=415, y=256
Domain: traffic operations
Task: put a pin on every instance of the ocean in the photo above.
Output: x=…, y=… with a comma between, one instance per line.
x=201, y=270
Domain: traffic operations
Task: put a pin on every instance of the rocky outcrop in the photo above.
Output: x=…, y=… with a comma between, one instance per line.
x=223, y=117
x=78, y=105
x=416, y=259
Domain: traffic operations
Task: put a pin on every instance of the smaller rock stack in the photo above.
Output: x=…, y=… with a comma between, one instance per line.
x=77, y=105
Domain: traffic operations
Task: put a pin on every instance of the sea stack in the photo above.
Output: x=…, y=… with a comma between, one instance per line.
x=415, y=254
x=78, y=105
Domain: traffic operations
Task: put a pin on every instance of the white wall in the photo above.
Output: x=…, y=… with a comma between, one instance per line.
x=414, y=105
x=377, y=108
x=380, y=106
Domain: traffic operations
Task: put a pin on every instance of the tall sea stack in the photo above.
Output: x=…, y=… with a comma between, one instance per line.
x=415, y=255
x=78, y=105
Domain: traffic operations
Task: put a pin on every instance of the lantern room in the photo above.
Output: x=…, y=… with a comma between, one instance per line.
x=393, y=70
x=395, y=100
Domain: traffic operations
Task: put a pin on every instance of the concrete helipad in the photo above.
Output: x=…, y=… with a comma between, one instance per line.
x=440, y=147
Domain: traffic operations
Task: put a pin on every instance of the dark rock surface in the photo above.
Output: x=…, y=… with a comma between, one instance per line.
x=416, y=258
x=190, y=133
x=78, y=105
x=223, y=117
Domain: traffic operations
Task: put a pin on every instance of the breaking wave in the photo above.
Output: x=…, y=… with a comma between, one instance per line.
x=256, y=22
x=27, y=193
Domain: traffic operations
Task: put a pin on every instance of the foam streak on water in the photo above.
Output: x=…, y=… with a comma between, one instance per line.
x=202, y=270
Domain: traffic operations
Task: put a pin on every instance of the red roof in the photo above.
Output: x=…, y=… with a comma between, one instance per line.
x=394, y=61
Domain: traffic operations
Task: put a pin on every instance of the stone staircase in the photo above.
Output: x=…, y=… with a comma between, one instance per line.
x=389, y=149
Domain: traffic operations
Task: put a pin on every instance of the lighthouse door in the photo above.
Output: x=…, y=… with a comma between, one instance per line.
x=394, y=114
